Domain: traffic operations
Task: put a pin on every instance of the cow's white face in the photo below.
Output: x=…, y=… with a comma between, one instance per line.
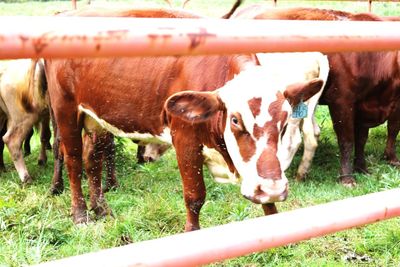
x=257, y=113
x=257, y=107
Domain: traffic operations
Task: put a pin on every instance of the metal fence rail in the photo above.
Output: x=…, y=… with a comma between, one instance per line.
x=98, y=37
x=241, y=238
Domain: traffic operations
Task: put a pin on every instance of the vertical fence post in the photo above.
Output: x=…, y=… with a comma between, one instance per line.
x=73, y=4
x=369, y=6
x=275, y=3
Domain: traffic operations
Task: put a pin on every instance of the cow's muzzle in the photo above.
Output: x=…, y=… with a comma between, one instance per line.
x=268, y=191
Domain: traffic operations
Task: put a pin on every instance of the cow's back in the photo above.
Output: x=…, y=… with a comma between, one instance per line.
x=301, y=13
x=364, y=77
x=130, y=92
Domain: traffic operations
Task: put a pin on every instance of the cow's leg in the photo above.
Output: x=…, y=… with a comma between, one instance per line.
x=27, y=143
x=343, y=124
x=45, y=135
x=93, y=156
x=14, y=138
x=3, y=130
x=139, y=154
x=109, y=156
x=361, y=136
x=311, y=133
x=71, y=140
x=269, y=208
x=57, y=183
x=190, y=163
x=393, y=128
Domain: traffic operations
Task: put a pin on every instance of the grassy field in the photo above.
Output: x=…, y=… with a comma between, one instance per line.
x=36, y=227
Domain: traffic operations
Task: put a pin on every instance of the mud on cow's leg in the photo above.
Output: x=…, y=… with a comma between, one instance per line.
x=94, y=145
x=393, y=128
x=361, y=136
x=344, y=128
x=109, y=156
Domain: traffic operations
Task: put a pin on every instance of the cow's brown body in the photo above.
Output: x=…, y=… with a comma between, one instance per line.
x=363, y=88
x=104, y=84
x=142, y=98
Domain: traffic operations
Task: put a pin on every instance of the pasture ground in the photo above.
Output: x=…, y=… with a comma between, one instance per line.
x=36, y=227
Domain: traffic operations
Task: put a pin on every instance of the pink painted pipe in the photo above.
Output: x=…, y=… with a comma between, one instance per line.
x=59, y=37
x=241, y=238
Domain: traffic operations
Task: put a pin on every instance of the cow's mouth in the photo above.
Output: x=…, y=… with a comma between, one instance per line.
x=267, y=196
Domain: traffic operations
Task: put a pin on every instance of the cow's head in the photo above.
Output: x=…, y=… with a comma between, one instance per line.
x=256, y=107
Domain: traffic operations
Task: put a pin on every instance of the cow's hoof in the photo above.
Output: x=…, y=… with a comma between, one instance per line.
x=102, y=210
x=81, y=217
x=42, y=162
x=48, y=146
x=191, y=227
x=110, y=187
x=348, y=181
x=27, y=180
x=300, y=177
x=56, y=190
x=395, y=163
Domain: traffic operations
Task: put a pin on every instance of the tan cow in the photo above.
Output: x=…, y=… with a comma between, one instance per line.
x=22, y=105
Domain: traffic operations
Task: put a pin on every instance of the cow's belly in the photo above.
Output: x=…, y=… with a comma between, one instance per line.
x=92, y=123
x=373, y=115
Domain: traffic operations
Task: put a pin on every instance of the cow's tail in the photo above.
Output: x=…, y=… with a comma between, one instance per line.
x=35, y=99
x=233, y=9
x=323, y=69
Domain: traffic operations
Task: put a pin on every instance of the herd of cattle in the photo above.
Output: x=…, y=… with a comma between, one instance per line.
x=240, y=115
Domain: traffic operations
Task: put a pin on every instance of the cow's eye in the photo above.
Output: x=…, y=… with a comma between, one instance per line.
x=235, y=121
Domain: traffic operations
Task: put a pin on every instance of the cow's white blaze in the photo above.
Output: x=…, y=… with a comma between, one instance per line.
x=236, y=94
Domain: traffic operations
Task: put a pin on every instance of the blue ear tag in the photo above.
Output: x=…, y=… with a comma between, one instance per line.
x=300, y=111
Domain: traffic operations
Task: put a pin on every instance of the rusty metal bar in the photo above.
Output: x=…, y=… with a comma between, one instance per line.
x=275, y=2
x=73, y=4
x=241, y=238
x=58, y=37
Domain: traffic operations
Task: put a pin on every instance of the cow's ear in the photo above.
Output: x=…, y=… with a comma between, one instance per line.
x=302, y=91
x=194, y=107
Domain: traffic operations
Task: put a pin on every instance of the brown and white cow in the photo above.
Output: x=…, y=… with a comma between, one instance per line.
x=23, y=103
x=362, y=91
x=226, y=103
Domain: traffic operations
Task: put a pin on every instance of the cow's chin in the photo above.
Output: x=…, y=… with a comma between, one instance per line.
x=262, y=197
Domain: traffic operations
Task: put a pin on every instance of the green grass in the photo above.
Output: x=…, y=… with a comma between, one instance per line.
x=36, y=227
